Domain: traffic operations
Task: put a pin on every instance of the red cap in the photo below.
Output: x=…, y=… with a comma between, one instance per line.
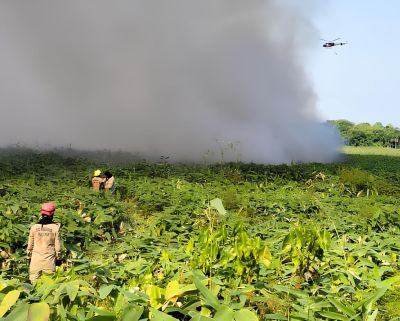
x=48, y=209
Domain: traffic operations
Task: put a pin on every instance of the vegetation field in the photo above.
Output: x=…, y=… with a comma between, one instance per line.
x=223, y=242
x=371, y=150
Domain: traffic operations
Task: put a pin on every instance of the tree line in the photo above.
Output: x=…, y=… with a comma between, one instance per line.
x=365, y=134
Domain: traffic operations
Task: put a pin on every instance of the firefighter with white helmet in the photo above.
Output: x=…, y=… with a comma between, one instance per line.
x=44, y=244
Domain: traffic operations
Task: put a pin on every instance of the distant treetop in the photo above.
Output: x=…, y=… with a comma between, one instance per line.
x=365, y=134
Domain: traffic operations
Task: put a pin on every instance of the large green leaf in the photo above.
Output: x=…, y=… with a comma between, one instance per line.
x=210, y=299
x=389, y=281
x=102, y=318
x=132, y=313
x=318, y=306
x=102, y=312
x=39, y=312
x=8, y=301
x=172, y=290
x=334, y=316
x=61, y=312
x=155, y=294
x=296, y=293
x=369, y=301
x=20, y=313
x=72, y=289
x=105, y=290
x=349, y=310
x=245, y=315
x=224, y=313
x=160, y=316
x=325, y=239
x=15, y=209
x=265, y=256
x=57, y=293
x=200, y=318
x=372, y=316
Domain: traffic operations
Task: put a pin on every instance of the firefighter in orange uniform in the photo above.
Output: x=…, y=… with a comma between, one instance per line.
x=44, y=244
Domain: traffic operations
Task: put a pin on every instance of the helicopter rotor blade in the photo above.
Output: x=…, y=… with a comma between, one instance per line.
x=329, y=40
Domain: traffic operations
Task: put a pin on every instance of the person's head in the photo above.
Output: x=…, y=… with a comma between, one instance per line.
x=108, y=174
x=97, y=172
x=47, y=210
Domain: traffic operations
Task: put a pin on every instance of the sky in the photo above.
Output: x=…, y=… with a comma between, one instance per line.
x=361, y=82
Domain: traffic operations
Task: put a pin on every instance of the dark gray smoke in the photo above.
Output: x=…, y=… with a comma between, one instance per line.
x=181, y=78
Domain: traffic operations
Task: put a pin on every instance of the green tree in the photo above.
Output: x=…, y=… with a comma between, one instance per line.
x=365, y=134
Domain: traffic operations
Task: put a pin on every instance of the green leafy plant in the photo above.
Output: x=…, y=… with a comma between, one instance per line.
x=359, y=182
x=236, y=225
x=303, y=246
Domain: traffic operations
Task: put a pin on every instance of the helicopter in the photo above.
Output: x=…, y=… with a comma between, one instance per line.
x=332, y=43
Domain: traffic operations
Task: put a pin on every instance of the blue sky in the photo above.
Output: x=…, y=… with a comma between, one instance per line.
x=362, y=82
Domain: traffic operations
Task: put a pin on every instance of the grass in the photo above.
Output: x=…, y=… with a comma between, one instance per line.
x=371, y=150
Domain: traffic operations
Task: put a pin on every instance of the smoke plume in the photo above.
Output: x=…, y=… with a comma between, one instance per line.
x=180, y=78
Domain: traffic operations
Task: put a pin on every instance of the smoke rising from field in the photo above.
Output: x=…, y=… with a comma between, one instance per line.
x=186, y=79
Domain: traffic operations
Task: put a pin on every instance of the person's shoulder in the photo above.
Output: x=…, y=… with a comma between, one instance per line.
x=98, y=179
x=35, y=226
x=56, y=224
